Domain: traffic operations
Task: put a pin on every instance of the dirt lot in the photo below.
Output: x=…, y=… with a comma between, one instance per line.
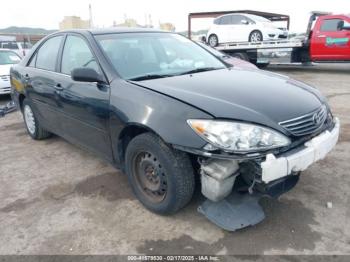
x=58, y=199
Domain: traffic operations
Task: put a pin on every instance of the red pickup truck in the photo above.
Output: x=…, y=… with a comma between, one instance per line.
x=330, y=38
x=327, y=39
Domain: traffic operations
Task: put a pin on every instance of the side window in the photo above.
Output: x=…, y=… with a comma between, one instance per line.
x=236, y=19
x=217, y=21
x=32, y=61
x=225, y=20
x=331, y=25
x=47, y=55
x=76, y=53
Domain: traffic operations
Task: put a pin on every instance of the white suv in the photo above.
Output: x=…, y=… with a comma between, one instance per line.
x=242, y=28
x=8, y=58
x=21, y=48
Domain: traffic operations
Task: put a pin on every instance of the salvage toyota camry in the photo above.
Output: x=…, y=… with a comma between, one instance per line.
x=165, y=111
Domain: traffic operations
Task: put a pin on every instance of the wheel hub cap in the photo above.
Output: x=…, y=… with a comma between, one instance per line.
x=29, y=119
x=256, y=37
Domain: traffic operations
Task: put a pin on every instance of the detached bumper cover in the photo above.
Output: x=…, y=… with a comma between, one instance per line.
x=313, y=150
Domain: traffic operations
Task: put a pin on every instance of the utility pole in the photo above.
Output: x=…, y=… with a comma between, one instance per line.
x=90, y=17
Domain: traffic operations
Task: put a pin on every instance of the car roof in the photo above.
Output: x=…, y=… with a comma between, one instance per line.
x=114, y=30
x=232, y=14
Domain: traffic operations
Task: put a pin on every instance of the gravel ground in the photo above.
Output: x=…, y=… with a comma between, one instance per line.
x=58, y=199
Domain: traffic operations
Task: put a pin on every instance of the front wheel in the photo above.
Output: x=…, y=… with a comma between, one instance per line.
x=162, y=178
x=255, y=36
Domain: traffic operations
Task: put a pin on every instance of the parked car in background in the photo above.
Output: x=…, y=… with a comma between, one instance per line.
x=21, y=48
x=228, y=58
x=7, y=59
x=165, y=111
x=243, y=28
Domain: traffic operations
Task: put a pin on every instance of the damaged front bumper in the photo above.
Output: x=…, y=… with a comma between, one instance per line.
x=272, y=174
x=300, y=159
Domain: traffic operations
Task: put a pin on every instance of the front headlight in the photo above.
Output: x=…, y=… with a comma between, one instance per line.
x=236, y=136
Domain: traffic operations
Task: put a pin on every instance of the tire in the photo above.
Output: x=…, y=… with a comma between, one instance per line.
x=213, y=40
x=32, y=124
x=262, y=65
x=161, y=178
x=255, y=36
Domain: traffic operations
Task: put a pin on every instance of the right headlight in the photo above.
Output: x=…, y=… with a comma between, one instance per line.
x=237, y=136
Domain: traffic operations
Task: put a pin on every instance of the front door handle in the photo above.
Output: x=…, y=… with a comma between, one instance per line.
x=321, y=36
x=58, y=87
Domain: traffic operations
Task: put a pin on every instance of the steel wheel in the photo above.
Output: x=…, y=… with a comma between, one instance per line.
x=29, y=119
x=150, y=176
x=255, y=36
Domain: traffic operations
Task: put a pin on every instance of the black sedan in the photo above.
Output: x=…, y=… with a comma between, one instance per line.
x=165, y=111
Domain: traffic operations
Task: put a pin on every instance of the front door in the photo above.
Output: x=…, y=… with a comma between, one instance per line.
x=85, y=106
x=330, y=41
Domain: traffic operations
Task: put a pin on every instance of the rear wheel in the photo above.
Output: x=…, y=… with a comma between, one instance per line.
x=255, y=36
x=33, y=126
x=162, y=178
x=213, y=40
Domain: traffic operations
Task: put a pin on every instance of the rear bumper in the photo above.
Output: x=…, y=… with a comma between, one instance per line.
x=5, y=90
x=298, y=160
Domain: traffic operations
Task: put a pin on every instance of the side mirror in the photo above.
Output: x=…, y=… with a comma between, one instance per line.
x=244, y=22
x=346, y=27
x=85, y=74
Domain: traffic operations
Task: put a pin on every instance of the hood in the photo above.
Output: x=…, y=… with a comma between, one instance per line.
x=247, y=95
x=5, y=69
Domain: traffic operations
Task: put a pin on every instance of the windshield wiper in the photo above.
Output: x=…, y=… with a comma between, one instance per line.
x=148, y=77
x=201, y=69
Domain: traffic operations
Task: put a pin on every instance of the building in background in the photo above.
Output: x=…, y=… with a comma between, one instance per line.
x=128, y=22
x=167, y=27
x=74, y=22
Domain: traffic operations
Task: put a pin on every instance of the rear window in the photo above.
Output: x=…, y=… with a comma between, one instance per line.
x=8, y=58
x=10, y=45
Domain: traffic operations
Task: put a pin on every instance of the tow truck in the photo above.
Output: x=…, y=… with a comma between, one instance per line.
x=327, y=40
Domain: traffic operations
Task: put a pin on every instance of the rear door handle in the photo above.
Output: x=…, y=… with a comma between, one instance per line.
x=58, y=87
x=321, y=36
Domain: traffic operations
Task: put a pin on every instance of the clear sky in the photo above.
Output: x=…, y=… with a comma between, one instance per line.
x=47, y=14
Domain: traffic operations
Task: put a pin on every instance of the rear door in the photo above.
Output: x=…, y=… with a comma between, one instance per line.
x=240, y=29
x=40, y=80
x=225, y=29
x=85, y=106
x=329, y=41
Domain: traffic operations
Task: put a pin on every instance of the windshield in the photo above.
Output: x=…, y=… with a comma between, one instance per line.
x=212, y=50
x=155, y=54
x=8, y=57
